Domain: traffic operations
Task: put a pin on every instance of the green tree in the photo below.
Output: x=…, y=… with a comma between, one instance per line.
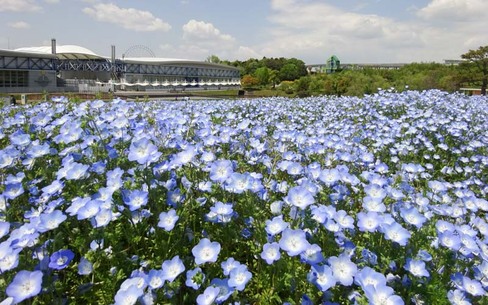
x=289, y=72
x=249, y=81
x=263, y=75
x=478, y=59
x=213, y=59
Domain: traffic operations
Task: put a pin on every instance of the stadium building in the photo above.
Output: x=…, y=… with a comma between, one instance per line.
x=71, y=68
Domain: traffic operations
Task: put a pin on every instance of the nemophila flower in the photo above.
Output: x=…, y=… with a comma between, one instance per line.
x=19, y=138
x=220, y=170
x=300, y=197
x=322, y=277
x=60, y=259
x=458, y=297
x=135, y=199
x=344, y=220
x=25, y=285
x=343, y=269
x=413, y=216
x=271, y=252
x=143, y=151
x=76, y=171
x=473, y=287
x=195, y=278
x=9, y=256
x=238, y=183
x=368, y=222
x=172, y=268
x=330, y=176
x=90, y=209
x=4, y=228
x=275, y=225
x=208, y=296
x=369, y=277
x=313, y=255
x=450, y=240
x=128, y=296
x=206, y=251
x=239, y=277
x=76, y=204
x=396, y=233
x=54, y=188
x=375, y=191
x=228, y=265
x=13, y=190
x=294, y=169
x=185, y=156
x=155, y=279
x=443, y=226
x=167, y=220
x=371, y=204
x=437, y=186
x=50, y=221
x=416, y=268
x=85, y=267
x=103, y=218
x=221, y=212
x=369, y=257
x=225, y=291
x=294, y=242
x=382, y=294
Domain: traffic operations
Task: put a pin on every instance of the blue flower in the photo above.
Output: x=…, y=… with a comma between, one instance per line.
x=229, y=264
x=25, y=285
x=382, y=294
x=143, y=151
x=128, y=296
x=172, y=268
x=135, y=199
x=294, y=242
x=50, y=221
x=206, y=251
x=85, y=267
x=60, y=259
x=343, y=269
x=220, y=170
x=155, y=279
x=322, y=277
x=395, y=232
x=208, y=296
x=300, y=197
x=275, y=225
x=194, y=278
x=167, y=220
x=416, y=268
x=239, y=277
x=271, y=252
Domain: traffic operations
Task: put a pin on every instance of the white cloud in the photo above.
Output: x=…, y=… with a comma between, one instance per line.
x=128, y=18
x=18, y=6
x=19, y=25
x=202, y=31
x=313, y=30
x=454, y=10
x=51, y=1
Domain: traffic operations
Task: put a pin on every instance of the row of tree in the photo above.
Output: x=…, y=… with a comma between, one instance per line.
x=290, y=76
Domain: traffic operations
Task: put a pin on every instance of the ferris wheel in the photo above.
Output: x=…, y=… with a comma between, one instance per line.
x=138, y=50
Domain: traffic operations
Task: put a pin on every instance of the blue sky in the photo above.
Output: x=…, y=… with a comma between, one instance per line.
x=357, y=31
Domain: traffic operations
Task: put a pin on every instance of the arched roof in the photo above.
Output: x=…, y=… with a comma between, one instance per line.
x=64, y=52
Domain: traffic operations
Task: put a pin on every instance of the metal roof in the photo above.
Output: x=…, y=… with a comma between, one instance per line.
x=63, y=52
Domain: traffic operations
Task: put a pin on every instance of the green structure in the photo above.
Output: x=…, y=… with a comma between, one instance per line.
x=333, y=64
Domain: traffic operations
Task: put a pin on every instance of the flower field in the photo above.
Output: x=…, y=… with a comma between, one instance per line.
x=322, y=200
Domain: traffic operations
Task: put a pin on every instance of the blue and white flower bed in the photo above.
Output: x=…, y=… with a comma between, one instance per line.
x=324, y=200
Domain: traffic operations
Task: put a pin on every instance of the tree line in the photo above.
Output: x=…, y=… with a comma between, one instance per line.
x=290, y=76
